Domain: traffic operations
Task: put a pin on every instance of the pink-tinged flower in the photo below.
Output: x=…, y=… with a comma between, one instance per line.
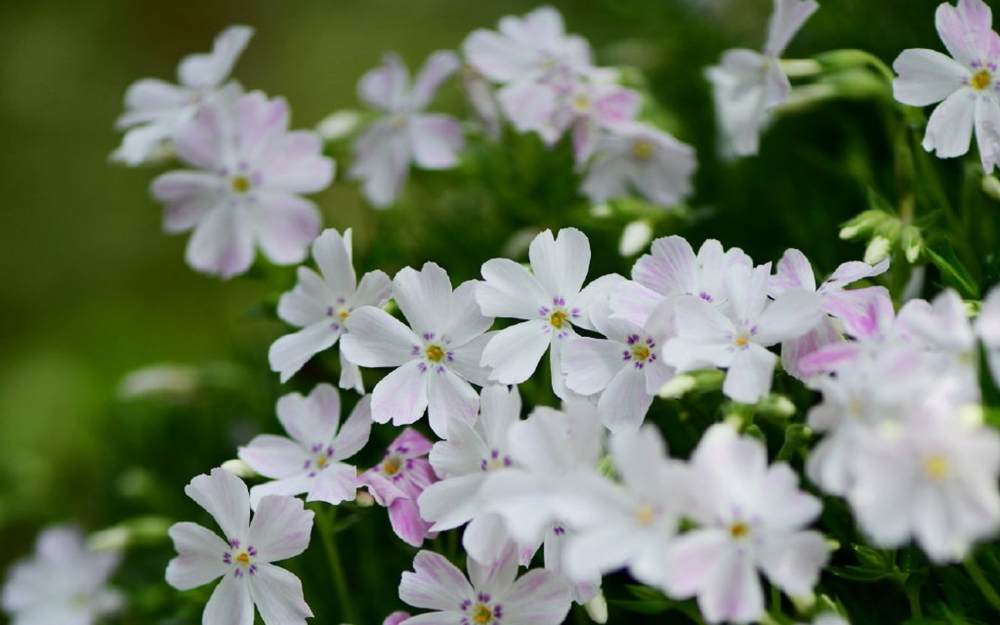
x=988, y=330
x=637, y=157
x=966, y=81
x=319, y=304
x=746, y=84
x=384, y=152
x=396, y=618
x=398, y=480
x=737, y=339
x=750, y=518
x=587, y=109
x=493, y=598
x=795, y=272
x=435, y=361
x=279, y=530
x=62, y=583
x=932, y=478
x=549, y=299
x=245, y=193
x=156, y=111
x=311, y=461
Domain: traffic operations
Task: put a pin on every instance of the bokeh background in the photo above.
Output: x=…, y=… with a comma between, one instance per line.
x=90, y=289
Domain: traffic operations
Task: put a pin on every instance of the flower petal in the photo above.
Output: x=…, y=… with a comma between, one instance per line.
x=289, y=353
x=280, y=528
x=926, y=77
x=222, y=243
x=286, y=225
x=273, y=456
x=401, y=396
x=514, y=352
x=199, y=558
x=434, y=584
x=225, y=497
x=949, y=129
x=436, y=140
x=230, y=603
x=278, y=595
x=337, y=482
x=377, y=339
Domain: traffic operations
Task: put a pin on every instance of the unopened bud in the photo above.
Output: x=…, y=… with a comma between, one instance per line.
x=991, y=186
x=971, y=415
x=803, y=603
x=238, y=468
x=635, y=237
x=912, y=243
x=776, y=405
x=140, y=530
x=338, y=125
x=677, y=386
x=800, y=68
x=364, y=499
x=878, y=248
x=597, y=608
x=864, y=223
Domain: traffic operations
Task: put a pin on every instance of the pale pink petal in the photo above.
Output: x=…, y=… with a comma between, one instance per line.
x=278, y=595
x=497, y=57
x=311, y=419
x=732, y=591
x=332, y=253
x=203, y=143
x=336, y=483
x=463, y=451
x=401, y=396
x=926, y=77
x=353, y=435
x=377, y=339
x=374, y=289
x=199, y=558
x=452, y=502
x=435, y=140
x=688, y=560
x=793, y=563
x=449, y=397
x=189, y=196
x=624, y=403
x=386, y=86
x=749, y=376
x=465, y=360
x=225, y=497
x=150, y=97
x=598, y=292
x=792, y=271
x=289, y=353
x=787, y=19
x=791, y=315
x=434, y=584
x=307, y=302
x=436, y=70
x=949, y=129
x=262, y=124
x=142, y=141
x=382, y=162
x=230, y=603
x=529, y=106
x=669, y=269
x=424, y=298
x=396, y=617
x=466, y=320
x=350, y=376
x=966, y=30
x=222, y=243
x=510, y=290
x=853, y=271
x=295, y=163
x=404, y=515
x=514, y=352
x=273, y=456
x=538, y=597
x=793, y=351
x=495, y=574
x=286, y=225
x=286, y=487
x=280, y=528
x=560, y=264
x=208, y=70
x=590, y=364
x=452, y=617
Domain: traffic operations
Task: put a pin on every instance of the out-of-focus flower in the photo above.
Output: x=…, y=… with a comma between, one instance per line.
x=311, y=461
x=747, y=84
x=319, y=304
x=966, y=81
x=246, y=192
x=280, y=529
x=384, y=152
x=62, y=583
x=156, y=111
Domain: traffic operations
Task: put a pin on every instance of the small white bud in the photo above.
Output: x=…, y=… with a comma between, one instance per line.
x=635, y=237
x=878, y=248
x=338, y=125
x=364, y=499
x=677, y=386
x=597, y=608
x=238, y=468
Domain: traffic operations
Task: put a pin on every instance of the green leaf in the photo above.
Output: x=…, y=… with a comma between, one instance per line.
x=953, y=272
x=861, y=574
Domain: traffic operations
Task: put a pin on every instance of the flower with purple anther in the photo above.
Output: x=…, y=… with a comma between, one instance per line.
x=320, y=303
x=157, y=110
x=434, y=362
x=62, y=582
x=398, y=480
x=494, y=597
x=311, y=460
x=966, y=82
x=279, y=530
x=246, y=191
x=384, y=152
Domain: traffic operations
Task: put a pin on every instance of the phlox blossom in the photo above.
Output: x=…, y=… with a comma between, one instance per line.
x=279, y=530
x=494, y=597
x=405, y=134
x=156, y=111
x=319, y=304
x=246, y=190
x=62, y=583
x=746, y=84
x=988, y=330
x=966, y=81
x=311, y=460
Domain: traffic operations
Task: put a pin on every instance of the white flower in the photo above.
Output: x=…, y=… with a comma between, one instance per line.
x=62, y=583
x=280, y=529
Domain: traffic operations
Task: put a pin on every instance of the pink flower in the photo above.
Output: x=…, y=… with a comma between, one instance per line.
x=157, y=110
x=398, y=480
x=310, y=462
x=246, y=192
x=966, y=81
x=384, y=152
x=279, y=530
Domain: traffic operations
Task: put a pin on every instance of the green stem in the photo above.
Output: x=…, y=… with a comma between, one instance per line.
x=327, y=515
x=981, y=582
x=913, y=597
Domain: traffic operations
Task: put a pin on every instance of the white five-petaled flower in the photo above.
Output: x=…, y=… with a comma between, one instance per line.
x=157, y=110
x=750, y=517
x=435, y=361
x=279, y=530
x=246, y=190
x=748, y=84
x=549, y=299
x=966, y=82
x=312, y=460
x=62, y=583
x=383, y=153
x=493, y=598
x=319, y=304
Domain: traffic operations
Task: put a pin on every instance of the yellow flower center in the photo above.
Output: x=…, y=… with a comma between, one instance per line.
x=739, y=529
x=980, y=80
x=740, y=341
x=435, y=353
x=642, y=149
x=557, y=319
x=243, y=558
x=482, y=614
x=640, y=352
x=321, y=462
x=240, y=184
x=644, y=515
x=344, y=314
x=581, y=103
x=937, y=467
x=392, y=464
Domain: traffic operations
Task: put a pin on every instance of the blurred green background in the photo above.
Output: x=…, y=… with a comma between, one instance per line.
x=92, y=289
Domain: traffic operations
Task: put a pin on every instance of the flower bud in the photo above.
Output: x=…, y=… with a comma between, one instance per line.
x=912, y=243
x=597, y=608
x=635, y=237
x=991, y=186
x=878, y=248
x=863, y=224
x=238, y=468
